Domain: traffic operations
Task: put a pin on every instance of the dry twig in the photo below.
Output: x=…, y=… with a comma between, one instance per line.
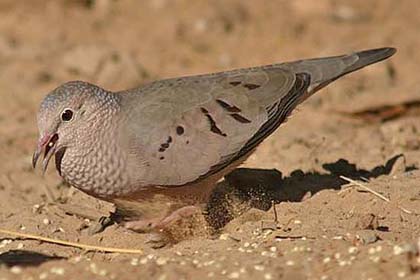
x=72, y=244
x=353, y=182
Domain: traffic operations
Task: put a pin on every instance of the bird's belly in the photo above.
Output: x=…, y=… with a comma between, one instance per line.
x=159, y=202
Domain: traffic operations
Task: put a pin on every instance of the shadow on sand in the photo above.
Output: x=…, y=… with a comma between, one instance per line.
x=260, y=188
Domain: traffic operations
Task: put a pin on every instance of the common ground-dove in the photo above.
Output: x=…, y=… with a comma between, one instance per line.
x=170, y=141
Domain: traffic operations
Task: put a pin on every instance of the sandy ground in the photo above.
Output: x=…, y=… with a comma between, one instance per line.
x=325, y=229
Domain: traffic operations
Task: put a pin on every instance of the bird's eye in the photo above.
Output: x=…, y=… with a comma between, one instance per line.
x=67, y=115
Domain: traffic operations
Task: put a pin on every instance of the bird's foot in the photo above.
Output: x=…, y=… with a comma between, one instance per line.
x=102, y=223
x=158, y=240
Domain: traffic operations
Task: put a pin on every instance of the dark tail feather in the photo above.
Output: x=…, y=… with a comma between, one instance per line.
x=369, y=57
x=354, y=62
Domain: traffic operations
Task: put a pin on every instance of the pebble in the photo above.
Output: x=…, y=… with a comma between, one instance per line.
x=16, y=269
x=343, y=263
x=375, y=259
x=224, y=236
x=93, y=268
x=57, y=270
x=352, y=250
x=234, y=275
x=161, y=261
x=290, y=263
x=46, y=221
x=134, y=261
x=326, y=260
x=268, y=276
x=43, y=275
x=258, y=267
x=406, y=248
x=366, y=236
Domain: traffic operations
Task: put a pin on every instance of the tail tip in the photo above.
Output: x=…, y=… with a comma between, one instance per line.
x=380, y=53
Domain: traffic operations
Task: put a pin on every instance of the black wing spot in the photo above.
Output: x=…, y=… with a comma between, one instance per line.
x=179, y=130
x=240, y=118
x=228, y=107
x=165, y=145
x=212, y=122
x=279, y=113
x=161, y=158
x=251, y=86
x=235, y=83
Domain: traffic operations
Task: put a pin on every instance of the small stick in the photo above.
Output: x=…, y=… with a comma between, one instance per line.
x=73, y=244
x=365, y=188
x=375, y=193
x=276, y=220
x=293, y=237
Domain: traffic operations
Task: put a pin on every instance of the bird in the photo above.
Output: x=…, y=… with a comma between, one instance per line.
x=157, y=151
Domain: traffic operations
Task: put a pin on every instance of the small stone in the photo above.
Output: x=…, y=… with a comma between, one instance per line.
x=233, y=275
x=43, y=275
x=161, y=261
x=342, y=263
x=258, y=267
x=326, y=260
x=352, y=250
x=290, y=263
x=224, y=236
x=375, y=259
x=273, y=249
x=268, y=276
x=401, y=274
x=57, y=270
x=366, y=237
x=409, y=248
x=46, y=221
x=143, y=260
x=16, y=269
x=134, y=261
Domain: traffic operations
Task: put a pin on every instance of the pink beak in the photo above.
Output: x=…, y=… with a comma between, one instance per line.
x=48, y=144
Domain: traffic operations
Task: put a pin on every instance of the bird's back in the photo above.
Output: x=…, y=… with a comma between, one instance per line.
x=182, y=130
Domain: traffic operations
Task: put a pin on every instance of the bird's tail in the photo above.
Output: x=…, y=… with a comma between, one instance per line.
x=326, y=70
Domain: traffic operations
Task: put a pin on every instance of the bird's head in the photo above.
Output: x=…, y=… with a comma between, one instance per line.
x=65, y=114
